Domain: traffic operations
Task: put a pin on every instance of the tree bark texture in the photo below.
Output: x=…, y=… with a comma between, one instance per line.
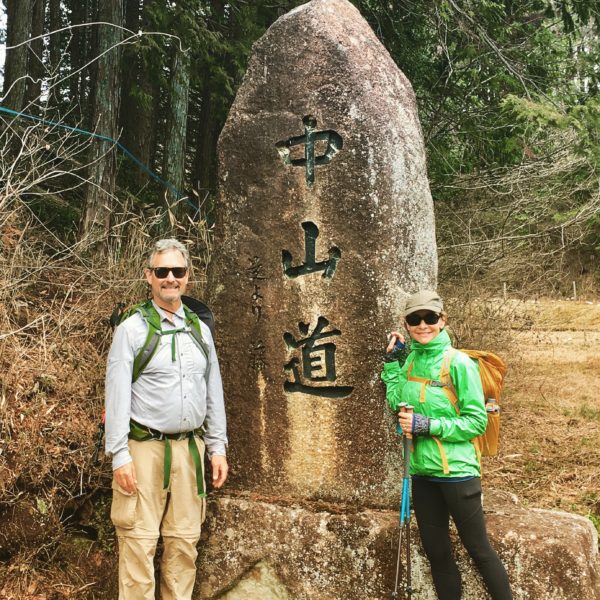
x=76, y=48
x=100, y=200
x=130, y=99
x=91, y=50
x=35, y=54
x=55, y=53
x=206, y=142
x=140, y=133
x=15, y=69
x=174, y=157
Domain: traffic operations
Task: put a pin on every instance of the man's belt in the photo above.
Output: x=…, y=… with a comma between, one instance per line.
x=141, y=433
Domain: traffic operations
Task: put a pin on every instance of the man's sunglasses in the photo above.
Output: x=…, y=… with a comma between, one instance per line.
x=430, y=318
x=163, y=272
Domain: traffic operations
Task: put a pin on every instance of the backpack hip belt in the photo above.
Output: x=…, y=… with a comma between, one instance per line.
x=141, y=433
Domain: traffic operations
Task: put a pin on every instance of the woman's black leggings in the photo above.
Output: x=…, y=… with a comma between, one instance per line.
x=434, y=503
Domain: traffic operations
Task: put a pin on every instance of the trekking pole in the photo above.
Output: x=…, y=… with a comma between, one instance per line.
x=409, y=442
x=405, y=501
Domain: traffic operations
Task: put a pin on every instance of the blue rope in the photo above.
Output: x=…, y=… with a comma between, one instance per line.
x=105, y=138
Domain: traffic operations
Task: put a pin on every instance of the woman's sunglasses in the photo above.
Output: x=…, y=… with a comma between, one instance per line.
x=430, y=318
x=163, y=272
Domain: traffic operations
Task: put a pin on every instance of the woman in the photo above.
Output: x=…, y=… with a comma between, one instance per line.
x=444, y=467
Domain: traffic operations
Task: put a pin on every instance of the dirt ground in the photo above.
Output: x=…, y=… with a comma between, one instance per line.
x=550, y=436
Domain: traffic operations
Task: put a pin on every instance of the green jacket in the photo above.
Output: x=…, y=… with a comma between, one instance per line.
x=450, y=434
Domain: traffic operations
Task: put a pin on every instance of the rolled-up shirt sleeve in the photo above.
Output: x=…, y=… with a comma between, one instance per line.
x=216, y=421
x=118, y=397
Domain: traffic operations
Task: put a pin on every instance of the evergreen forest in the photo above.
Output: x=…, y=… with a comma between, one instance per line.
x=113, y=108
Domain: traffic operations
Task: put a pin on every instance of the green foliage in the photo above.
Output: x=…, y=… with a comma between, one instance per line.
x=592, y=500
x=465, y=59
x=589, y=413
x=507, y=92
x=57, y=215
x=585, y=119
x=595, y=519
x=538, y=120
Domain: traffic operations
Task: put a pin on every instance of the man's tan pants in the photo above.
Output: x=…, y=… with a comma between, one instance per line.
x=175, y=514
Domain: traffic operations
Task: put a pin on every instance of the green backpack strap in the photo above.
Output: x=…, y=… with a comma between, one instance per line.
x=193, y=322
x=152, y=318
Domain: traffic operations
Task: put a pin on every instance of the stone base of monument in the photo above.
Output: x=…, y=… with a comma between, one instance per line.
x=272, y=549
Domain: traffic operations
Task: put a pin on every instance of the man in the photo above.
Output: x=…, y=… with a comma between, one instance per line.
x=159, y=419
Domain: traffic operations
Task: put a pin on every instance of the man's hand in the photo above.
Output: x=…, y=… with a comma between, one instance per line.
x=125, y=477
x=219, y=470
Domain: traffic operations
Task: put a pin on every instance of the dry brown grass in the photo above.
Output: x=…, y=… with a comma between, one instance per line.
x=55, y=538
x=53, y=341
x=550, y=451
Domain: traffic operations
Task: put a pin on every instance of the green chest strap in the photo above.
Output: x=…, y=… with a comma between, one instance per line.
x=155, y=332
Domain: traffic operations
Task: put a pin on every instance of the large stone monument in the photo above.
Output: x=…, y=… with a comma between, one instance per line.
x=325, y=223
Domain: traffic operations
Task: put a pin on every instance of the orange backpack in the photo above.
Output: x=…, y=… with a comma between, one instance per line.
x=491, y=370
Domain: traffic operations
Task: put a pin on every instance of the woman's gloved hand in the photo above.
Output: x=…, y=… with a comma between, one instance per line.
x=413, y=423
x=396, y=341
x=396, y=346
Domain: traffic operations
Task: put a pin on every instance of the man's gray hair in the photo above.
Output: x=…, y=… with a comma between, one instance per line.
x=166, y=245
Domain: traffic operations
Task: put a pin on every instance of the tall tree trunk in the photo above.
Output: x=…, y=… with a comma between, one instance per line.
x=83, y=48
x=54, y=24
x=99, y=200
x=174, y=156
x=18, y=14
x=133, y=11
x=76, y=49
x=143, y=129
x=204, y=167
x=95, y=9
x=130, y=77
x=141, y=122
x=209, y=122
x=36, y=51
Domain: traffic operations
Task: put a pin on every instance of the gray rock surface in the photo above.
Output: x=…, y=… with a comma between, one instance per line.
x=325, y=222
x=255, y=549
